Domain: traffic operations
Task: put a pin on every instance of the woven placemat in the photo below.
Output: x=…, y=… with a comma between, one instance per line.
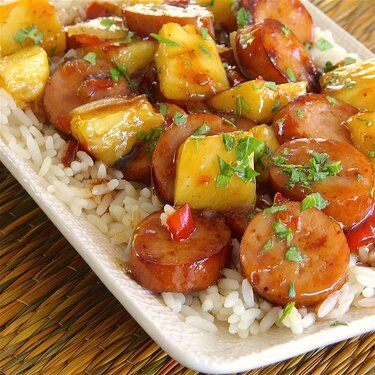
x=56, y=317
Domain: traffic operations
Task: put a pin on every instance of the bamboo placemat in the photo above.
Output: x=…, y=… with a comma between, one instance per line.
x=56, y=317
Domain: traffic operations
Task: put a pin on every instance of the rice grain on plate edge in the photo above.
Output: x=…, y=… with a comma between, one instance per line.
x=116, y=206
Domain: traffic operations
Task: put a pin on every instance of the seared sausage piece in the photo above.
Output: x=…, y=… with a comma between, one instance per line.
x=160, y=264
x=266, y=49
x=289, y=12
x=75, y=83
x=348, y=192
x=163, y=162
x=145, y=19
x=313, y=116
x=320, y=241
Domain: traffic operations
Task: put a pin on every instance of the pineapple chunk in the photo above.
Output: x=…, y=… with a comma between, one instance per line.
x=222, y=12
x=23, y=14
x=362, y=128
x=24, y=74
x=189, y=66
x=201, y=182
x=353, y=84
x=109, y=128
x=257, y=100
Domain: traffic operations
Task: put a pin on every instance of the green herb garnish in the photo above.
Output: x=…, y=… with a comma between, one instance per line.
x=124, y=72
x=349, y=60
x=163, y=108
x=31, y=32
x=290, y=74
x=331, y=100
x=275, y=106
x=314, y=200
x=129, y=36
x=241, y=106
x=204, y=50
x=204, y=33
x=267, y=247
x=90, y=58
x=201, y=132
x=282, y=231
x=243, y=17
x=274, y=209
x=338, y=323
x=293, y=255
x=152, y=136
x=228, y=141
x=166, y=41
x=179, y=118
x=299, y=112
x=115, y=74
x=323, y=44
x=107, y=22
x=291, y=291
x=271, y=85
x=287, y=310
x=285, y=29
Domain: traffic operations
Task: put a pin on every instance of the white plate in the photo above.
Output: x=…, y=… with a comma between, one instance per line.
x=205, y=352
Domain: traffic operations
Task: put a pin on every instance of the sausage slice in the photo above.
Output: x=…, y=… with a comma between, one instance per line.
x=348, y=192
x=289, y=12
x=75, y=83
x=161, y=264
x=145, y=19
x=316, y=269
x=269, y=50
x=163, y=162
x=313, y=116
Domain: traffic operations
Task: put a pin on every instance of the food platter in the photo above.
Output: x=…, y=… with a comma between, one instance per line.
x=206, y=352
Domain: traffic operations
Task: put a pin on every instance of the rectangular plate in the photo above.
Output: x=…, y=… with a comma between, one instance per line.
x=201, y=351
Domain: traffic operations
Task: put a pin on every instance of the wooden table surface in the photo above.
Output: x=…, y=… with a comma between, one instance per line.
x=56, y=317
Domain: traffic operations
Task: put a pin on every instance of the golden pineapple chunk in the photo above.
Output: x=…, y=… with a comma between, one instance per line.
x=257, y=100
x=222, y=12
x=188, y=63
x=20, y=17
x=203, y=181
x=109, y=128
x=362, y=128
x=353, y=84
x=24, y=74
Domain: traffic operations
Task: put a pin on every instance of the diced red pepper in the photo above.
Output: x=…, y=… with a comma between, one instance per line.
x=362, y=235
x=181, y=223
x=88, y=40
x=95, y=10
x=69, y=153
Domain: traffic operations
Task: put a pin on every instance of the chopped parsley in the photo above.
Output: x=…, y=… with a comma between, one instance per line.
x=122, y=69
x=299, y=112
x=318, y=168
x=285, y=29
x=234, y=5
x=163, y=108
x=329, y=67
x=30, y=32
x=179, y=118
x=293, y=255
x=349, y=60
x=243, y=17
x=267, y=247
x=323, y=44
x=226, y=172
x=371, y=154
x=287, y=310
x=349, y=84
x=201, y=132
x=308, y=46
x=228, y=141
x=241, y=106
x=290, y=74
x=314, y=200
x=256, y=86
x=359, y=176
x=204, y=33
x=282, y=231
x=90, y=58
x=107, y=22
x=152, y=136
x=168, y=42
x=275, y=106
x=291, y=291
x=338, y=323
x=204, y=50
x=331, y=100
x=271, y=85
x=129, y=36
x=115, y=74
x=274, y=209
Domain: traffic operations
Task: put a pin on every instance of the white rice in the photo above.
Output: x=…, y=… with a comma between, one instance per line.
x=115, y=207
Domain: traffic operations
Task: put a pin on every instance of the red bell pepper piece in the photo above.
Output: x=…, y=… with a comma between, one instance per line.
x=88, y=40
x=69, y=153
x=95, y=10
x=362, y=235
x=101, y=83
x=181, y=223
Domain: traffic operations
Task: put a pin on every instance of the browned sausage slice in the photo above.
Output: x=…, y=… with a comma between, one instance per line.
x=161, y=264
x=289, y=12
x=145, y=19
x=163, y=162
x=317, y=268
x=348, y=192
x=313, y=116
x=75, y=83
x=266, y=49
